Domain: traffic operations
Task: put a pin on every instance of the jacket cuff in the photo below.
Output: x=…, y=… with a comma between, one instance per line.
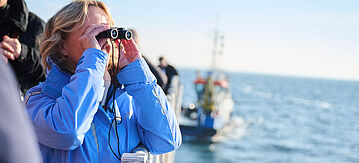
x=136, y=72
x=23, y=53
x=92, y=59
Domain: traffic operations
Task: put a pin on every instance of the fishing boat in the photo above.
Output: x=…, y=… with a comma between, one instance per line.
x=212, y=111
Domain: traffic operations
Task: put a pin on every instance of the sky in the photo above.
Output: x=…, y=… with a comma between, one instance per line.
x=311, y=38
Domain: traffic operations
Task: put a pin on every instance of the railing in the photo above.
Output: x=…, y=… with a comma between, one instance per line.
x=175, y=95
x=141, y=155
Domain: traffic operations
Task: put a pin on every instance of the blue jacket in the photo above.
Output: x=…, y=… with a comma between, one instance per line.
x=71, y=126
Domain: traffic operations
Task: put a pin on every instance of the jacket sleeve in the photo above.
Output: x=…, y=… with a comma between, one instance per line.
x=62, y=123
x=157, y=124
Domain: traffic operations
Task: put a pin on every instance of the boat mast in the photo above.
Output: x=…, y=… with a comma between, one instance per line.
x=215, y=44
x=218, y=45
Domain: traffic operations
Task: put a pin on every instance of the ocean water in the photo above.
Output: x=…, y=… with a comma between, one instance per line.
x=282, y=119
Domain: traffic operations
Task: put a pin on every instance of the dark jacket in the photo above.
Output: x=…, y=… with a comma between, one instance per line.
x=17, y=22
x=170, y=72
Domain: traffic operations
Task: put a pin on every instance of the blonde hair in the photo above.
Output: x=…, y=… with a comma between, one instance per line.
x=58, y=27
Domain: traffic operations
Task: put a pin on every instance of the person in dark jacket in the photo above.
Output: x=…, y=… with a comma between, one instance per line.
x=169, y=70
x=19, y=29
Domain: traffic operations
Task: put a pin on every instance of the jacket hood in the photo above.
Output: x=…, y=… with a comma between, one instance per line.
x=18, y=14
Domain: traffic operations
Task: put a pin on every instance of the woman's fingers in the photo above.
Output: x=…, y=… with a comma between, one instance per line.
x=132, y=51
x=88, y=39
x=94, y=27
x=130, y=45
x=126, y=46
x=94, y=30
x=133, y=44
x=98, y=30
x=129, y=52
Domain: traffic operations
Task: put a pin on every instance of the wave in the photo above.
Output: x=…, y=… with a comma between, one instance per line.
x=248, y=89
x=307, y=102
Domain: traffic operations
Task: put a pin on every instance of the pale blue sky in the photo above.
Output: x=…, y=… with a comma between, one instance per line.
x=317, y=38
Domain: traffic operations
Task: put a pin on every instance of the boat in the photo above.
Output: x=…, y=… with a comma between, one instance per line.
x=212, y=111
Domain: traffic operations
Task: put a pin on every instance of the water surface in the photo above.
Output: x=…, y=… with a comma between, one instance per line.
x=287, y=119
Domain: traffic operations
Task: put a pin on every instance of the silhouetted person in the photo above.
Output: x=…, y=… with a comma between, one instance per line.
x=19, y=29
x=169, y=70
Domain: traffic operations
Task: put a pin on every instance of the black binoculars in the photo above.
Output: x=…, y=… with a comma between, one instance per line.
x=115, y=33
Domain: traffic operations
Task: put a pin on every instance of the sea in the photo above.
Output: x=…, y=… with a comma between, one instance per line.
x=282, y=119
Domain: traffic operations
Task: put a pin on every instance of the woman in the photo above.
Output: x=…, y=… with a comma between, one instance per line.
x=70, y=123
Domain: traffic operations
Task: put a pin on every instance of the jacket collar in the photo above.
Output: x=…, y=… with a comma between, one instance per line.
x=55, y=81
x=18, y=14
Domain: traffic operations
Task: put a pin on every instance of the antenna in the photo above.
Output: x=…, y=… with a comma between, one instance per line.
x=215, y=43
x=218, y=43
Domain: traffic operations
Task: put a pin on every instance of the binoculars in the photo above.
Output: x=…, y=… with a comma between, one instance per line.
x=115, y=33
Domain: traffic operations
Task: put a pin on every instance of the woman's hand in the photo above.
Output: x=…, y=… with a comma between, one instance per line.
x=129, y=52
x=88, y=39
